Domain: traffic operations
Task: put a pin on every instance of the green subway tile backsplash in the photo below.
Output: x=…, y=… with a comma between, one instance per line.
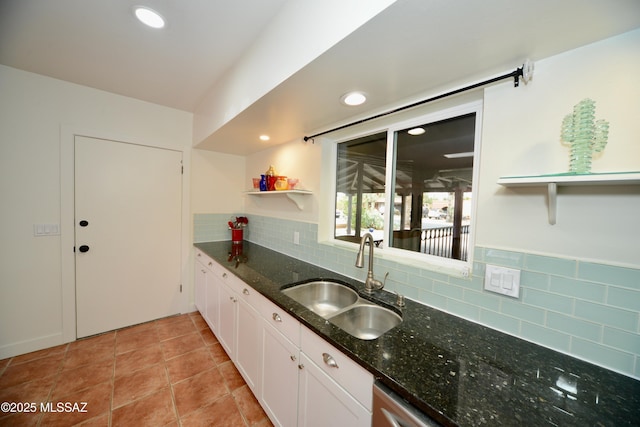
x=574, y=327
x=624, y=298
x=586, y=309
x=606, y=315
x=550, y=265
x=577, y=288
x=619, y=360
x=625, y=277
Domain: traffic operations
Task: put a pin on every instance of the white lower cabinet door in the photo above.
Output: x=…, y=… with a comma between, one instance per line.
x=227, y=324
x=212, y=307
x=248, y=356
x=200, y=283
x=279, y=391
x=322, y=402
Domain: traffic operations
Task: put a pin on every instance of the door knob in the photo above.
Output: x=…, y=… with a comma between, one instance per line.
x=83, y=248
x=84, y=223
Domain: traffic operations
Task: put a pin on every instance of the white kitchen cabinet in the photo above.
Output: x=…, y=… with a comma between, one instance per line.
x=279, y=388
x=333, y=389
x=322, y=402
x=227, y=324
x=249, y=335
x=298, y=378
x=212, y=311
x=200, y=284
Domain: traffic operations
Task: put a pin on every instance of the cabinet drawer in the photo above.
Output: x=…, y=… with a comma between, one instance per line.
x=208, y=262
x=252, y=297
x=356, y=380
x=277, y=317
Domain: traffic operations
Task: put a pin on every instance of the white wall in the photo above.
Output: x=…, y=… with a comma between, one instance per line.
x=521, y=128
x=572, y=299
x=301, y=32
x=217, y=182
x=521, y=136
x=295, y=159
x=36, y=112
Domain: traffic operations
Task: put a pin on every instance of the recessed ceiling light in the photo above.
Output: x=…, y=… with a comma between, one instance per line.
x=459, y=155
x=149, y=17
x=353, y=98
x=264, y=137
x=416, y=131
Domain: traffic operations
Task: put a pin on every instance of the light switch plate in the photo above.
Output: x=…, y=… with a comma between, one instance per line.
x=46, y=230
x=502, y=280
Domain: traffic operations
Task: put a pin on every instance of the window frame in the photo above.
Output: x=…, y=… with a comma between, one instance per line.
x=326, y=231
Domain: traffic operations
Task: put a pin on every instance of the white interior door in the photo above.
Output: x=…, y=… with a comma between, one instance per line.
x=127, y=234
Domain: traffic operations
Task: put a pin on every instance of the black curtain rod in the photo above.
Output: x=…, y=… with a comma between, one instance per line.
x=519, y=72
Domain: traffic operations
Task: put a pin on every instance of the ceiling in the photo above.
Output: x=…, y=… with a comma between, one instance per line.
x=412, y=48
x=100, y=44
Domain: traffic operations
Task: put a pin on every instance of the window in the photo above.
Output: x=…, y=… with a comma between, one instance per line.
x=411, y=185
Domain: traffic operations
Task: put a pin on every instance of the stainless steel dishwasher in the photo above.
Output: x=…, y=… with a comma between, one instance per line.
x=390, y=410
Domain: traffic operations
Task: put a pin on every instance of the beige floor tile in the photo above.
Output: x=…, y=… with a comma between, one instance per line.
x=222, y=412
x=27, y=371
x=154, y=410
x=127, y=363
x=249, y=406
x=130, y=377
x=82, y=406
x=82, y=378
x=231, y=376
x=181, y=345
x=189, y=364
x=129, y=342
x=139, y=384
x=218, y=354
x=198, y=391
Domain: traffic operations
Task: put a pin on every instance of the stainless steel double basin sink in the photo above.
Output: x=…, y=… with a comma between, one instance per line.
x=342, y=306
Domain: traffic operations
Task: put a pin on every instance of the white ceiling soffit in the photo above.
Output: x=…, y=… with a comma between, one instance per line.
x=100, y=44
x=415, y=47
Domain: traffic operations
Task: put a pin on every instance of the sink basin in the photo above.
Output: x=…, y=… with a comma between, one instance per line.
x=366, y=321
x=323, y=297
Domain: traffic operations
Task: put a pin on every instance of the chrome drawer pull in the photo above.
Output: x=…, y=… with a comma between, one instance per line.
x=276, y=317
x=329, y=360
x=245, y=291
x=224, y=275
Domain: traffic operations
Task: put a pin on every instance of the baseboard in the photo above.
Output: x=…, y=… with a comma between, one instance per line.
x=23, y=347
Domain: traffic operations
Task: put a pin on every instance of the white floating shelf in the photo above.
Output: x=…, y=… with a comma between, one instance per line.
x=296, y=196
x=568, y=179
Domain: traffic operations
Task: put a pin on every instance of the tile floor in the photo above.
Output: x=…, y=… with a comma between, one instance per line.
x=169, y=372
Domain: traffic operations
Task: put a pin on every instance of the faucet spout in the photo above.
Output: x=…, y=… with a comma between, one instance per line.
x=371, y=283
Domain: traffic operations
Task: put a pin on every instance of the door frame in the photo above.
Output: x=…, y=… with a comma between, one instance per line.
x=67, y=221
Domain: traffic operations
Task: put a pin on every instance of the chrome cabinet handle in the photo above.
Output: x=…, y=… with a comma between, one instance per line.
x=276, y=317
x=293, y=358
x=329, y=360
x=224, y=275
x=198, y=254
x=245, y=291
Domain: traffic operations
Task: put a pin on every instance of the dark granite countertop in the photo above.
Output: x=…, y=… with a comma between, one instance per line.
x=457, y=372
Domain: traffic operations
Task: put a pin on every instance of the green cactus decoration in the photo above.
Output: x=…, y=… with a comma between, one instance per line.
x=584, y=134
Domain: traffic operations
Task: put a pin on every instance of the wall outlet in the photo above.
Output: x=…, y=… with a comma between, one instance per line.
x=296, y=237
x=502, y=280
